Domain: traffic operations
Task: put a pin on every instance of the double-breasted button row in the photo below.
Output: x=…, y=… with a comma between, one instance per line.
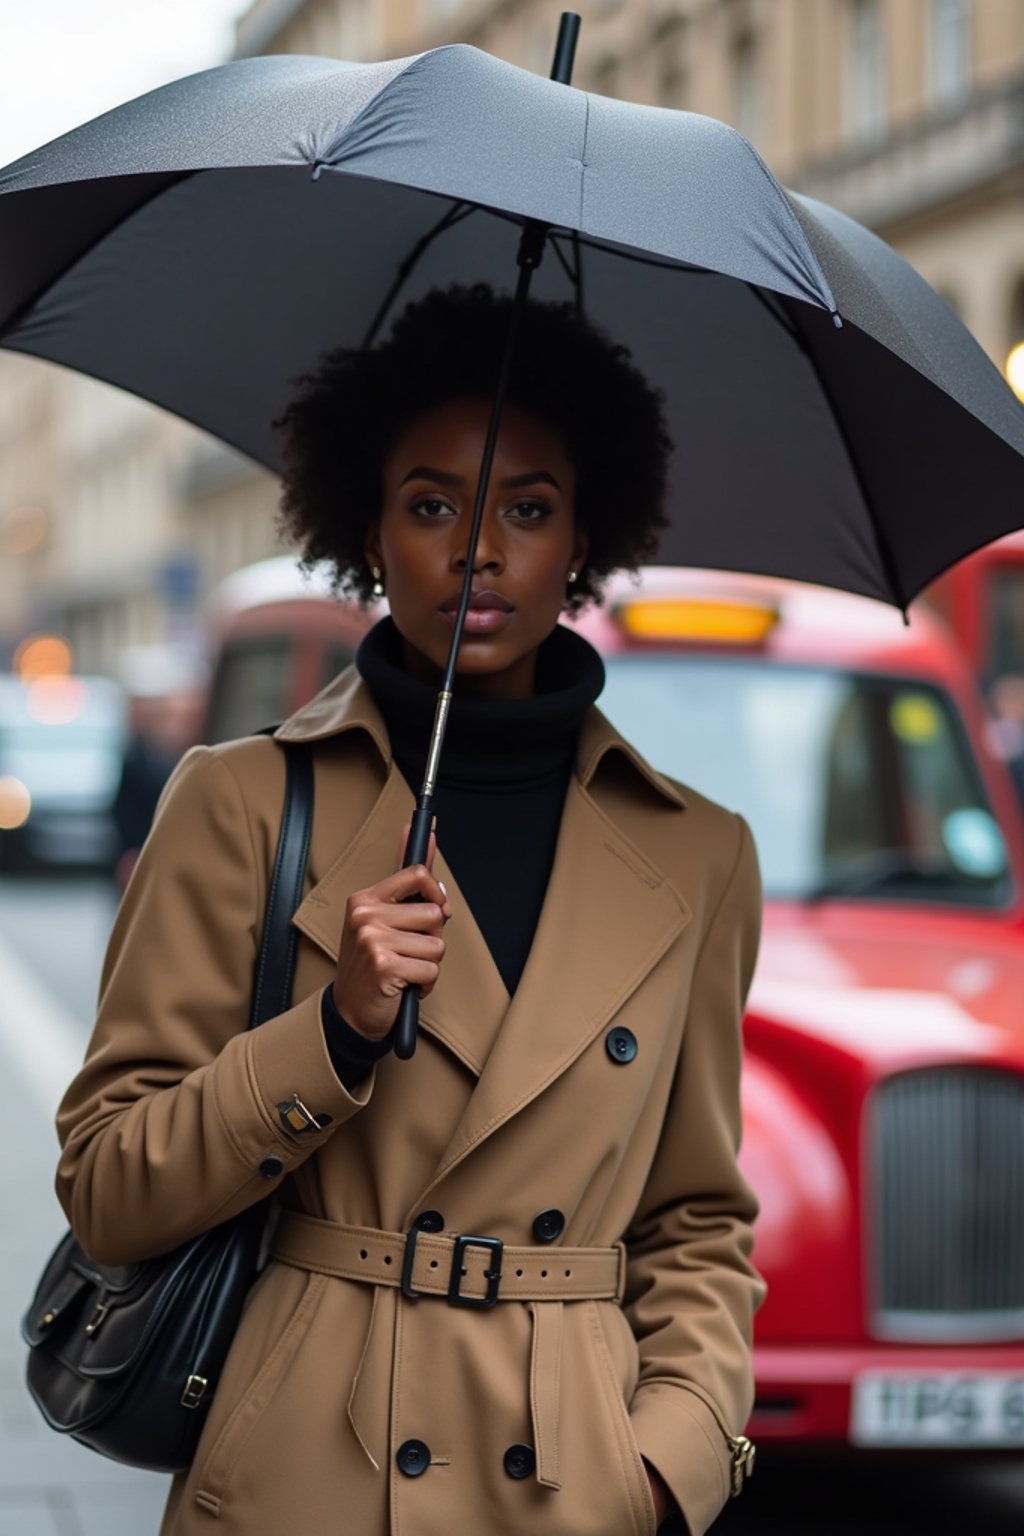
x=413, y=1457
x=620, y=1043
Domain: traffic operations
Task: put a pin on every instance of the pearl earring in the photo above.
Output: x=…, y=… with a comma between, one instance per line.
x=377, y=589
x=572, y=576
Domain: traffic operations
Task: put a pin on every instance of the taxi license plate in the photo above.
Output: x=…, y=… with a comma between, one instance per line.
x=943, y=1408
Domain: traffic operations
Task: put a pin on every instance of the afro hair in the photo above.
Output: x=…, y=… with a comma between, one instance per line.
x=346, y=415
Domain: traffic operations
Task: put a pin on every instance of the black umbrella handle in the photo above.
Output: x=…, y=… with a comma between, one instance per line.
x=416, y=850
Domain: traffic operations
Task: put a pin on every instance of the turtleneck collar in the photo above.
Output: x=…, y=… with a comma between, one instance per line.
x=490, y=742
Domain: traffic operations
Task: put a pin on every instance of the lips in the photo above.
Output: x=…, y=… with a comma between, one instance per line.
x=487, y=615
x=484, y=601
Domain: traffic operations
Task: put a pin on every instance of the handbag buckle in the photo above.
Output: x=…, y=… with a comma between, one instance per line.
x=195, y=1390
x=494, y=1246
x=92, y=1326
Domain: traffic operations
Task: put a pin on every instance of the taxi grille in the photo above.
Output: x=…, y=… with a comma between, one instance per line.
x=948, y=1202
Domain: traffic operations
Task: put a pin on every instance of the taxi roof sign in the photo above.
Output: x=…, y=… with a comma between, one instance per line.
x=709, y=620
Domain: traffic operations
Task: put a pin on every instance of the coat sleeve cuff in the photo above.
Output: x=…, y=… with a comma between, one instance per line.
x=352, y=1054
x=288, y=1060
x=678, y=1434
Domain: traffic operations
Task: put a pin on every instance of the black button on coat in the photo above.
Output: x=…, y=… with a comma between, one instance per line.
x=520, y=1461
x=548, y=1225
x=413, y=1457
x=620, y=1044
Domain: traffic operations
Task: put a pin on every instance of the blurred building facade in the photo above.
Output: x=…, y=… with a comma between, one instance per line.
x=115, y=520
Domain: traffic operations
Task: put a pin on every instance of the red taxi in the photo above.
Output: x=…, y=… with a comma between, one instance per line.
x=884, y=1072
x=982, y=600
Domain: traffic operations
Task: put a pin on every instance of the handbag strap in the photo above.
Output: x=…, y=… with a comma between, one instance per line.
x=272, y=989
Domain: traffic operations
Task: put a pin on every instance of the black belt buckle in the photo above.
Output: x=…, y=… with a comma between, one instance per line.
x=407, y=1263
x=495, y=1246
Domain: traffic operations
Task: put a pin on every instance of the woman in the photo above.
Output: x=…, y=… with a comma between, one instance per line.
x=524, y=1298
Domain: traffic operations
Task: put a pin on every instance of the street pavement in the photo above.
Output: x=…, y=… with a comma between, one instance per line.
x=51, y=939
x=52, y=935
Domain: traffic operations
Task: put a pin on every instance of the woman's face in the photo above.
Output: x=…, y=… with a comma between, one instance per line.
x=529, y=542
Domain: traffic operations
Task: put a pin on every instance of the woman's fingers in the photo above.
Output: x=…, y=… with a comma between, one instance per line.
x=391, y=940
x=398, y=917
x=405, y=885
x=431, y=851
x=421, y=974
x=382, y=945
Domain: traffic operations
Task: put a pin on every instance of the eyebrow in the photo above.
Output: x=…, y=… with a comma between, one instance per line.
x=513, y=482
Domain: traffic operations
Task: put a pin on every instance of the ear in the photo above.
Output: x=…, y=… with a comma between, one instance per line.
x=371, y=546
x=580, y=548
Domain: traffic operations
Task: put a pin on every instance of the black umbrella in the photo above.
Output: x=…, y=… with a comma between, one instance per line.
x=201, y=246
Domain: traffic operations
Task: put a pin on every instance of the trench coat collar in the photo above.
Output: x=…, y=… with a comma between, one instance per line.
x=608, y=916
x=347, y=704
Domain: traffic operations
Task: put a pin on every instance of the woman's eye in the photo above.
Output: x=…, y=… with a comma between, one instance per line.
x=530, y=511
x=431, y=508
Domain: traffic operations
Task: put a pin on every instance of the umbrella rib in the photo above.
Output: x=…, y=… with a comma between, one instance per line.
x=885, y=554
x=452, y=216
x=578, y=257
x=14, y=320
x=571, y=269
x=772, y=303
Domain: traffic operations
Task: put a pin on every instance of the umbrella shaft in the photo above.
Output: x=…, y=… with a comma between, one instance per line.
x=531, y=248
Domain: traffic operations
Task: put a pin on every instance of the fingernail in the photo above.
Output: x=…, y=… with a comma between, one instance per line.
x=444, y=889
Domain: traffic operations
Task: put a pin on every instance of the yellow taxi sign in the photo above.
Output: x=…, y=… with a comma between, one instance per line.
x=719, y=621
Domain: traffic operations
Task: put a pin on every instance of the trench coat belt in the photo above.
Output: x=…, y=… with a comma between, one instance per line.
x=437, y=1264
x=549, y=1273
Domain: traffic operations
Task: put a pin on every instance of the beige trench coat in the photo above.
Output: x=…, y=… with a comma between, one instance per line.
x=508, y=1108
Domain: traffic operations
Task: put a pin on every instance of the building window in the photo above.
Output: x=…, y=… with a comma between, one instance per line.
x=865, y=71
x=746, y=86
x=949, y=51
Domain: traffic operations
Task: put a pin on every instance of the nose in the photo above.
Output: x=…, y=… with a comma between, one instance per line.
x=489, y=554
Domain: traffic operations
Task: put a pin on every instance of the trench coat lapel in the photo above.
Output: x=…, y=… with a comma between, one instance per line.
x=467, y=1006
x=608, y=916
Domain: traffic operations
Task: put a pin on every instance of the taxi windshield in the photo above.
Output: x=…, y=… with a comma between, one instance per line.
x=853, y=785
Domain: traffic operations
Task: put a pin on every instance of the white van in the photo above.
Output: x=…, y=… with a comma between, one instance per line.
x=62, y=742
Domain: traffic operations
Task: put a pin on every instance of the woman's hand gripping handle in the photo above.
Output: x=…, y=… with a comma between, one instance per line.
x=417, y=849
x=392, y=948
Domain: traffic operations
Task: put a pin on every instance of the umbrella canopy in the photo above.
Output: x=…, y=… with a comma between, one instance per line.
x=201, y=246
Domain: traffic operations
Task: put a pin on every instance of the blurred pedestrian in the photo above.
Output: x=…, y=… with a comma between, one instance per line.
x=161, y=726
x=511, y=1287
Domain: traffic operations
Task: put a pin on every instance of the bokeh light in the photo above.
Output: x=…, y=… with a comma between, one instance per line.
x=55, y=700
x=15, y=803
x=42, y=656
x=1015, y=370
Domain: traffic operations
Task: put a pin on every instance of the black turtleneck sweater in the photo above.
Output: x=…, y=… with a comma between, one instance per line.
x=504, y=772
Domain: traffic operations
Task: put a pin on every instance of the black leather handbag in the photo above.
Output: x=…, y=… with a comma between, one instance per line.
x=126, y=1360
